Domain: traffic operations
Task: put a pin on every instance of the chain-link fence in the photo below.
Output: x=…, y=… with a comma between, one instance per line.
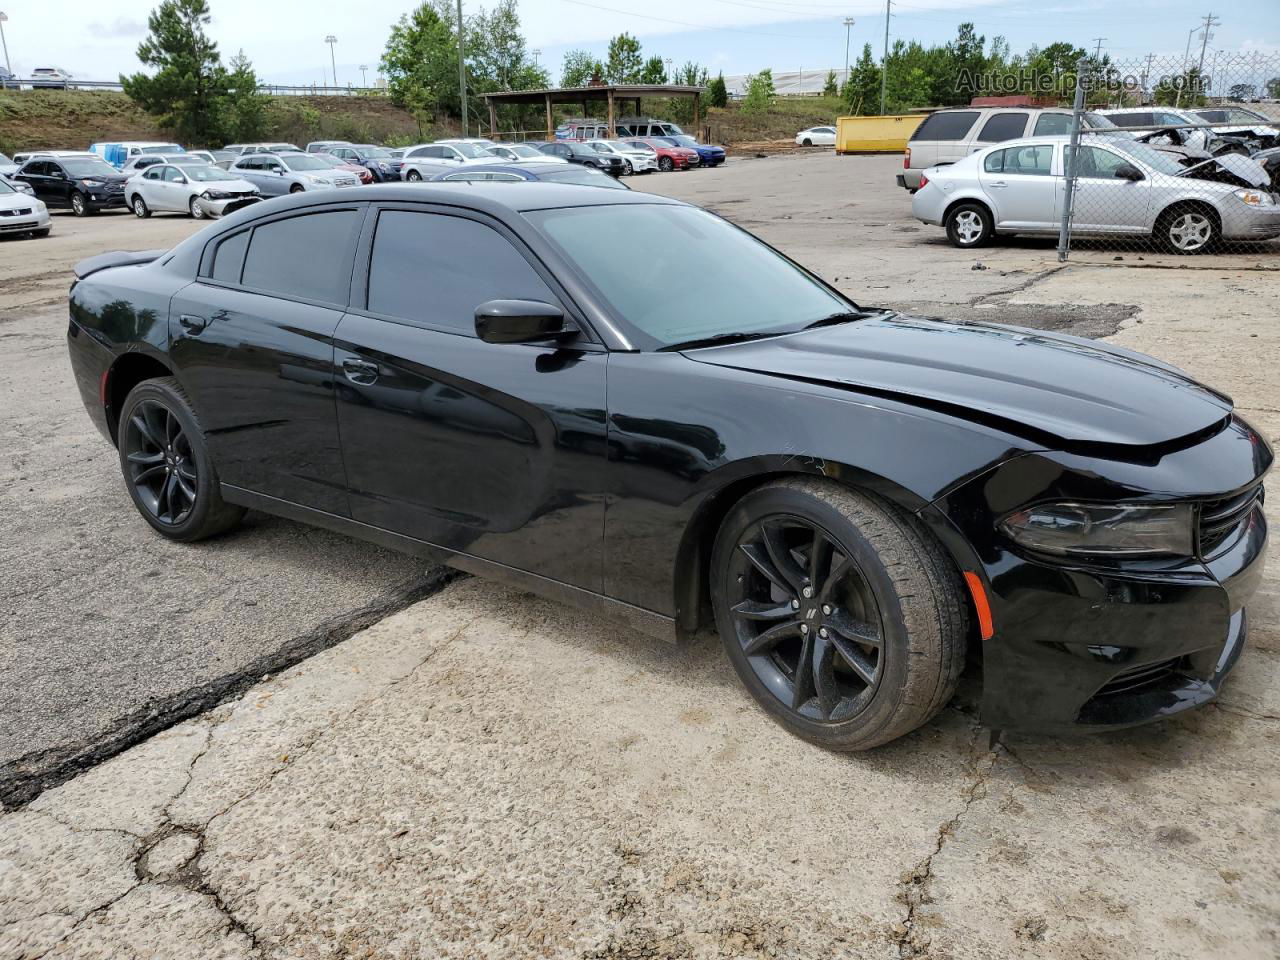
x=1180, y=157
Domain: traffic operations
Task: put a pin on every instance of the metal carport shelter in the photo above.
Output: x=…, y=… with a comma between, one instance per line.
x=610, y=94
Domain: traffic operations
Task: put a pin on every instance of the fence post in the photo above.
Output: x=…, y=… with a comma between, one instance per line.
x=1069, y=169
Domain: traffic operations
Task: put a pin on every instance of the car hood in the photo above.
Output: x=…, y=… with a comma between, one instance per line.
x=16, y=201
x=1026, y=382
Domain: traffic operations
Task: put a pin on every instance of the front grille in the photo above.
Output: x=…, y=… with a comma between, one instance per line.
x=1220, y=518
x=24, y=212
x=1139, y=678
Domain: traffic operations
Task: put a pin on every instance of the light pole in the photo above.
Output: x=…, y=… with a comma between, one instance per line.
x=462, y=68
x=1177, y=100
x=4, y=42
x=536, y=55
x=331, y=40
x=364, y=80
x=848, y=25
x=670, y=78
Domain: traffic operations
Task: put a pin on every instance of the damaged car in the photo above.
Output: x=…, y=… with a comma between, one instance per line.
x=1122, y=188
x=853, y=498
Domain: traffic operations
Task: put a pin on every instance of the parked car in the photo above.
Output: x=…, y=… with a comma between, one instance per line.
x=275, y=174
x=22, y=212
x=21, y=158
x=7, y=167
x=239, y=149
x=198, y=189
x=17, y=185
x=817, y=137
x=634, y=160
x=9, y=80
x=322, y=146
x=546, y=172
x=851, y=496
x=86, y=184
x=142, y=161
x=1242, y=124
x=709, y=155
x=1122, y=188
x=629, y=127
x=578, y=152
x=54, y=78
x=424, y=161
x=212, y=156
x=668, y=157
x=377, y=160
x=1241, y=129
x=120, y=154
x=355, y=169
x=948, y=135
x=521, y=153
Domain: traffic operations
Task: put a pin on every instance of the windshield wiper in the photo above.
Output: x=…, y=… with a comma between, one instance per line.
x=844, y=316
x=721, y=338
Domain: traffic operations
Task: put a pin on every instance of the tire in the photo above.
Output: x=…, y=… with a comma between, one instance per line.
x=197, y=212
x=413, y=176
x=906, y=602
x=627, y=168
x=1187, y=230
x=140, y=208
x=666, y=164
x=969, y=226
x=79, y=205
x=806, y=142
x=159, y=431
x=297, y=188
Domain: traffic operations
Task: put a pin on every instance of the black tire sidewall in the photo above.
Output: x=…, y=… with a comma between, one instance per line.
x=879, y=712
x=987, y=225
x=207, y=497
x=83, y=209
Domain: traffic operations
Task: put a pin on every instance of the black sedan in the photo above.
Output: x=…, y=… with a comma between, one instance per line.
x=700, y=432
x=85, y=184
x=577, y=152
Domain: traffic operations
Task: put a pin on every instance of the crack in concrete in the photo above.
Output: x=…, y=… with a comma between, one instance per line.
x=24, y=779
x=1019, y=287
x=98, y=910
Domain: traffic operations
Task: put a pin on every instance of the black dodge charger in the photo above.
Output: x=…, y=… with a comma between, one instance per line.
x=853, y=498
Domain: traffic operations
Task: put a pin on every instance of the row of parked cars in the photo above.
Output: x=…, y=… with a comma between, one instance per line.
x=154, y=176
x=1187, y=179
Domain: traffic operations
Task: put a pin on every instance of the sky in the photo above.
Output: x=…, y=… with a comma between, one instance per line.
x=285, y=40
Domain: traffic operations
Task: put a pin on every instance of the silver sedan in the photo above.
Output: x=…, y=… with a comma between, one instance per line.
x=1123, y=188
x=195, y=188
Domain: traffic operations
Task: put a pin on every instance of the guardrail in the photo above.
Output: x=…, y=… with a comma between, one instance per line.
x=272, y=89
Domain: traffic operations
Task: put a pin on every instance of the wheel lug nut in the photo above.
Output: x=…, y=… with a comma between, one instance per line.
x=795, y=604
x=804, y=628
x=808, y=592
x=823, y=633
x=826, y=609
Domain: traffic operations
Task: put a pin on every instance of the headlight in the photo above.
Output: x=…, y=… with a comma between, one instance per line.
x=90, y=183
x=1112, y=530
x=382, y=166
x=1255, y=198
x=40, y=205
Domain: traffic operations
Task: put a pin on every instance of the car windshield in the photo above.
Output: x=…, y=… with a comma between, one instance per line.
x=714, y=279
x=641, y=146
x=1097, y=121
x=304, y=161
x=203, y=172
x=163, y=148
x=1234, y=115
x=282, y=148
x=669, y=141
x=520, y=150
x=4, y=186
x=88, y=167
x=329, y=160
x=470, y=150
x=575, y=173
x=1158, y=160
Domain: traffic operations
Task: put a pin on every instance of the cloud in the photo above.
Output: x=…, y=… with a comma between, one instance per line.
x=119, y=28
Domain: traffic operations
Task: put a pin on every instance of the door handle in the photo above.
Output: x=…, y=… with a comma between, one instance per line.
x=360, y=371
x=193, y=325
x=997, y=184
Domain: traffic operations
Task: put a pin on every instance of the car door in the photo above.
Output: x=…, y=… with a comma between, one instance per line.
x=249, y=168
x=35, y=174
x=493, y=450
x=172, y=188
x=151, y=187
x=252, y=339
x=1104, y=202
x=1020, y=184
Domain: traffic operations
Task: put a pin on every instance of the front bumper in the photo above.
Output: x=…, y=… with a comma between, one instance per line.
x=1243, y=222
x=104, y=199
x=36, y=220
x=220, y=208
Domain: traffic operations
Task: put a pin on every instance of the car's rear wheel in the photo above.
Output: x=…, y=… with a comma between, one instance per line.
x=140, y=208
x=197, y=211
x=807, y=142
x=297, y=188
x=413, y=176
x=969, y=225
x=79, y=205
x=1187, y=229
x=166, y=465
x=843, y=617
x=666, y=164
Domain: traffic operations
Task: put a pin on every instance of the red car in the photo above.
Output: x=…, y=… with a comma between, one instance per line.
x=669, y=157
x=352, y=168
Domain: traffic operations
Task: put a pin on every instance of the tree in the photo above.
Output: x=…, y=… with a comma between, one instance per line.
x=717, y=92
x=690, y=74
x=1242, y=91
x=1273, y=87
x=624, y=63
x=245, y=116
x=760, y=93
x=862, y=90
x=497, y=57
x=580, y=68
x=829, y=88
x=420, y=63
x=653, y=71
x=186, y=90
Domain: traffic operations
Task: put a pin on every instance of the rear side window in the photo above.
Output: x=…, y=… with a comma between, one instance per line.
x=1030, y=160
x=946, y=125
x=1132, y=119
x=308, y=257
x=228, y=257
x=1053, y=124
x=437, y=269
x=1003, y=126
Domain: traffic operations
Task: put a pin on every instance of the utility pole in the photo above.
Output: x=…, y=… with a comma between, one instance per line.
x=1146, y=76
x=884, y=64
x=1209, y=22
x=364, y=79
x=4, y=42
x=462, y=68
x=848, y=25
x=536, y=55
x=331, y=40
x=1182, y=81
x=1097, y=53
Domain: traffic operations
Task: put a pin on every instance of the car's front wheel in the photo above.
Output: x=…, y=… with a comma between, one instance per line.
x=79, y=205
x=807, y=142
x=666, y=164
x=843, y=617
x=1188, y=229
x=969, y=225
x=166, y=464
x=197, y=211
x=627, y=168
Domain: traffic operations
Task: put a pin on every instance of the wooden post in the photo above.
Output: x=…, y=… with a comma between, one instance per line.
x=609, y=96
x=493, y=116
x=697, y=113
x=551, y=133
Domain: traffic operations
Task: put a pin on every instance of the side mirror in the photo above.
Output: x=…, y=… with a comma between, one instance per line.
x=520, y=321
x=1127, y=171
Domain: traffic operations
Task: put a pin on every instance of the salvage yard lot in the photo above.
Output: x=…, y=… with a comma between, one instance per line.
x=489, y=774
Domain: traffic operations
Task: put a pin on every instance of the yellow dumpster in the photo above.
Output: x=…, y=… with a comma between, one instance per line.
x=876, y=134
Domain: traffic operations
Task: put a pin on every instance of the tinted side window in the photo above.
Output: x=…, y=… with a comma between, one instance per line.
x=1026, y=161
x=228, y=258
x=1052, y=125
x=1003, y=126
x=437, y=269
x=307, y=256
x=946, y=126
x=1132, y=119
